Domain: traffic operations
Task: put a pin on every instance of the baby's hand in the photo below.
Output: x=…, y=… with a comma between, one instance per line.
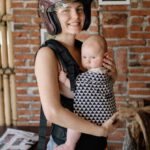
x=62, y=77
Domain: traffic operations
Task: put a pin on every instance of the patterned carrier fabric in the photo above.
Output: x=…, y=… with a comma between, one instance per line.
x=94, y=98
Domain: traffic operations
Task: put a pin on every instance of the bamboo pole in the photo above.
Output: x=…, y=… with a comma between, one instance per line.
x=4, y=58
x=2, y=12
x=2, y=8
x=5, y=77
x=11, y=64
x=2, y=119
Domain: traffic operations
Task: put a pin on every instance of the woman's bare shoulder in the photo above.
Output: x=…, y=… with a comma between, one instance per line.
x=45, y=58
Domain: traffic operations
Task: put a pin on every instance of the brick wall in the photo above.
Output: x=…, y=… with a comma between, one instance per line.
x=127, y=30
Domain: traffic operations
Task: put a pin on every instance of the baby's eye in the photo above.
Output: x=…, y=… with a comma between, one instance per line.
x=84, y=57
x=93, y=57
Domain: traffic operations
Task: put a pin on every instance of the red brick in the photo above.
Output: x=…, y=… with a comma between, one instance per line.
x=143, y=63
x=23, y=105
x=26, y=84
x=21, y=77
x=140, y=12
x=140, y=35
x=122, y=77
x=114, y=8
x=26, y=41
x=139, y=78
x=121, y=61
x=27, y=98
x=147, y=29
x=24, y=20
x=136, y=85
x=126, y=42
x=136, y=70
x=26, y=56
x=136, y=28
x=139, y=92
x=140, y=50
x=19, y=91
x=115, y=146
x=114, y=19
x=19, y=63
x=20, y=34
x=32, y=5
x=22, y=49
x=17, y=5
x=146, y=4
x=25, y=12
x=115, y=32
x=137, y=20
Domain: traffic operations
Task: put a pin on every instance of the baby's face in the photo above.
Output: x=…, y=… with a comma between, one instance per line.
x=92, y=56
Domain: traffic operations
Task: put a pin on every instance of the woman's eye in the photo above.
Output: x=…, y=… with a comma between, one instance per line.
x=65, y=10
x=79, y=10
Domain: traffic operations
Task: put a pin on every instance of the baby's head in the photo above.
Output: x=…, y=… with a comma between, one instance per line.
x=92, y=52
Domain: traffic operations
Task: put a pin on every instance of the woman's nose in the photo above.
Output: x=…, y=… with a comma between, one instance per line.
x=74, y=14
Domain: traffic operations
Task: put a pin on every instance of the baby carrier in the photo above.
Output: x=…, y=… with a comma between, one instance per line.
x=70, y=66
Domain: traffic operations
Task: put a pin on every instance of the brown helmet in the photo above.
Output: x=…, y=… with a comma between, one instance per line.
x=47, y=13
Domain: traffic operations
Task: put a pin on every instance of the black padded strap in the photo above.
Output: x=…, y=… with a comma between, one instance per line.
x=66, y=59
x=42, y=131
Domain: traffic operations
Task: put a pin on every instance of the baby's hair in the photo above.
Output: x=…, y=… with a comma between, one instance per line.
x=96, y=38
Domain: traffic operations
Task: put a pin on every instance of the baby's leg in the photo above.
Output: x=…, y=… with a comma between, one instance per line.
x=72, y=138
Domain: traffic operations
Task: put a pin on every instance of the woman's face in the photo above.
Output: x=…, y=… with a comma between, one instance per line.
x=71, y=17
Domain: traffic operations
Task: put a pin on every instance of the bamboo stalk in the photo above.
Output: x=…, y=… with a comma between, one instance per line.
x=2, y=119
x=4, y=55
x=13, y=99
x=7, y=100
x=11, y=64
x=2, y=8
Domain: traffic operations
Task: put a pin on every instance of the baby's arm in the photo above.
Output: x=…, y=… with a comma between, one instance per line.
x=63, y=79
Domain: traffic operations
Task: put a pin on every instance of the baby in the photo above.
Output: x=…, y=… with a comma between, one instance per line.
x=93, y=98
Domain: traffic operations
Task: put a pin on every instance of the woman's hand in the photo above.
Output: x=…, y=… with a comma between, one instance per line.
x=109, y=63
x=112, y=123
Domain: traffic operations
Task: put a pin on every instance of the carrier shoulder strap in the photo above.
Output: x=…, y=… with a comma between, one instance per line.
x=72, y=69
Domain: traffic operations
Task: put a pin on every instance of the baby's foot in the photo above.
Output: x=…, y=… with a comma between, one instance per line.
x=64, y=147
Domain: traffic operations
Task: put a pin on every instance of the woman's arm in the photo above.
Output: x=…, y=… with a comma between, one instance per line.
x=46, y=70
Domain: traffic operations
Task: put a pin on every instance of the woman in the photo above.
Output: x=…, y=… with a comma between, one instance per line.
x=65, y=19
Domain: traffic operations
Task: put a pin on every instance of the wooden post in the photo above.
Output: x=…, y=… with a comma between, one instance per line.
x=11, y=64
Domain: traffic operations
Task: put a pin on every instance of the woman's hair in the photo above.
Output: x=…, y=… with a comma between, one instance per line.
x=48, y=14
